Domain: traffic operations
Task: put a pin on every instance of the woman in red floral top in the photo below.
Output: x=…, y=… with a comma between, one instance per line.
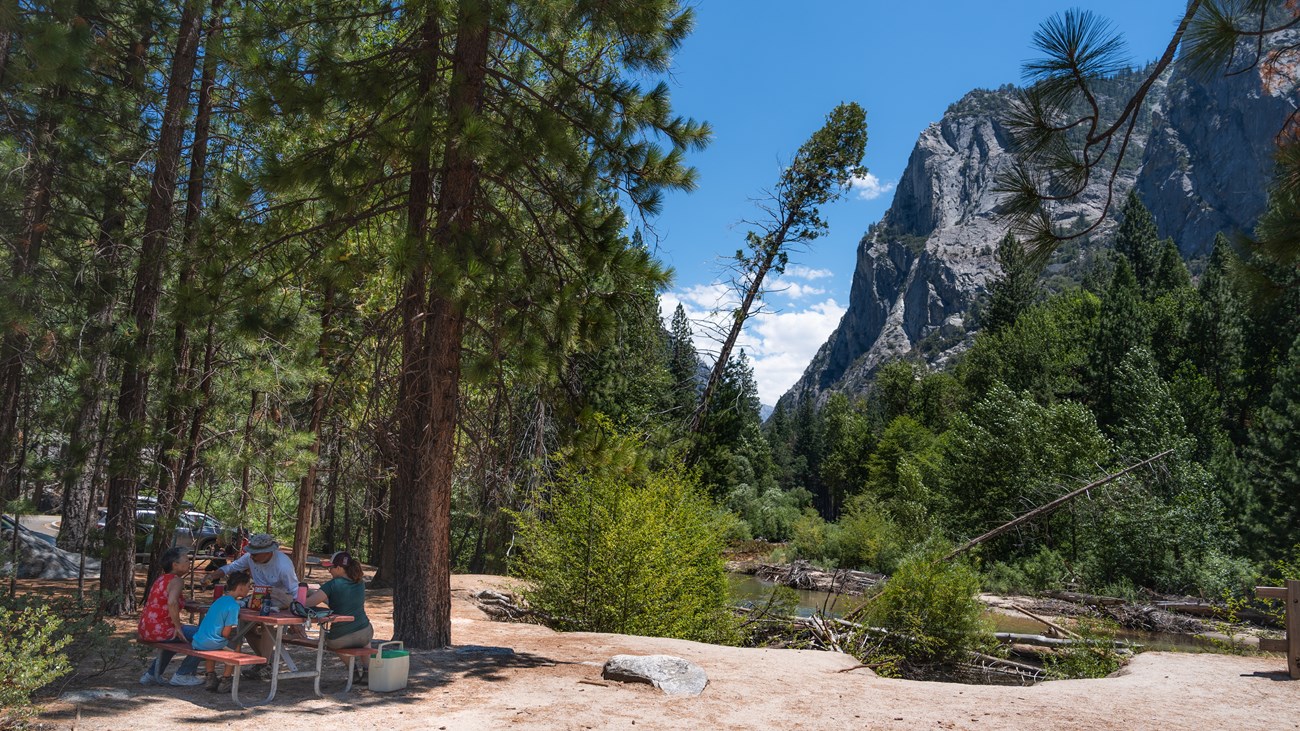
x=160, y=620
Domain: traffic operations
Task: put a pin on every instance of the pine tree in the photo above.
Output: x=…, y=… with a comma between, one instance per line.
x=1146, y=417
x=683, y=364
x=1217, y=324
x=1139, y=242
x=1123, y=327
x=117, y=583
x=820, y=173
x=1171, y=271
x=1274, y=458
x=730, y=429
x=1015, y=289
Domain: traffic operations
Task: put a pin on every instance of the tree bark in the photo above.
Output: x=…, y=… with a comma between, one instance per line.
x=117, y=579
x=763, y=265
x=184, y=380
x=83, y=454
x=422, y=592
x=16, y=343
x=307, y=488
x=245, y=478
x=330, y=518
x=412, y=409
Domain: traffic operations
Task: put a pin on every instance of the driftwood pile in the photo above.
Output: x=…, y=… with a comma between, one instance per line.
x=833, y=634
x=504, y=606
x=803, y=575
x=1160, y=616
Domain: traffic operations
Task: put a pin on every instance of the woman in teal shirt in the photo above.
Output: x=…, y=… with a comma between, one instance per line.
x=345, y=593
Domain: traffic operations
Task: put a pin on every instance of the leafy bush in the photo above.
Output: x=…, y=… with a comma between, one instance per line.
x=867, y=537
x=813, y=538
x=767, y=511
x=628, y=552
x=1094, y=655
x=931, y=608
x=1046, y=569
x=30, y=657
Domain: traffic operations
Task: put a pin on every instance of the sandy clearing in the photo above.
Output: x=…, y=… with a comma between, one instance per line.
x=540, y=687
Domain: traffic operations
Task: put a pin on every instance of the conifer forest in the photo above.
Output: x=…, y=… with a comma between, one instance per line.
x=379, y=276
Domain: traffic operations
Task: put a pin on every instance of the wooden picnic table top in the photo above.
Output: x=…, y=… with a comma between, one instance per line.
x=281, y=617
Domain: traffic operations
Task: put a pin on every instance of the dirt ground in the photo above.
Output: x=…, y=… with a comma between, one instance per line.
x=549, y=680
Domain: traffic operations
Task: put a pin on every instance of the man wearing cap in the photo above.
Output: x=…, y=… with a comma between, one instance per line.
x=269, y=566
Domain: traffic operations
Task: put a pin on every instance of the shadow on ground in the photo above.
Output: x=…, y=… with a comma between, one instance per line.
x=121, y=696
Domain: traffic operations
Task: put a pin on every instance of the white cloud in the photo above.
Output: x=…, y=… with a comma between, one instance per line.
x=780, y=345
x=794, y=290
x=869, y=187
x=799, y=271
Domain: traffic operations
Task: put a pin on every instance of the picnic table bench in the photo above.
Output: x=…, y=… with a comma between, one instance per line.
x=276, y=624
x=351, y=653
x=229, y=657
x=314, y=563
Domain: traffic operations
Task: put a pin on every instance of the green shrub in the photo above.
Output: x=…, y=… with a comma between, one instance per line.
x=813, y=538
x=768, y=512
x=931, y=608
x=627, y=552
x=30, y=658
x=867, y=537
x=1094, y=655
x=1044, y=570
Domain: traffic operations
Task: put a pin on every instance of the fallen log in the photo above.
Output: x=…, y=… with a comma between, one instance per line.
x=1042, y=641
x=803, y=575
x=1050, y=624
x=1214, y=611
x=1008, y=664
x=1093, y=600
x=1053, y=505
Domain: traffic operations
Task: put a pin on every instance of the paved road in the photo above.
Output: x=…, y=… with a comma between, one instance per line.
x=46, y=524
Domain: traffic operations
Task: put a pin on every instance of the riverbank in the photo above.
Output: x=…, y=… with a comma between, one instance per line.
x=1153, y=626
x=551, y=680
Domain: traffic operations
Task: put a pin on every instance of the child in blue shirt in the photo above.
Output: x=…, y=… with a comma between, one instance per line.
x=220, y=624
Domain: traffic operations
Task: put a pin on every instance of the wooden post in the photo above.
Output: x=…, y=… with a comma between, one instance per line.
x=1290, y=594
x=1293, y=627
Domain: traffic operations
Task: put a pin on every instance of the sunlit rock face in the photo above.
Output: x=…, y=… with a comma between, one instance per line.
x=1200, y=158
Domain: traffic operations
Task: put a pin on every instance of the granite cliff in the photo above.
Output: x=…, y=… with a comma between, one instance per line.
x=1201, y=162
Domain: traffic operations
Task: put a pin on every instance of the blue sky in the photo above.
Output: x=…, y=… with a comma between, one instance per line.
x=765, y=74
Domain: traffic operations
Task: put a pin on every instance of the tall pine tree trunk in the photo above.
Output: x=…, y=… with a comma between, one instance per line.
x=16, y=342
x=307, y=488
x=245, y=477
x=83, y=457
x=183, y=381
x=117, y=573
x=422, y=597
x=81, y=450
x=330, y=517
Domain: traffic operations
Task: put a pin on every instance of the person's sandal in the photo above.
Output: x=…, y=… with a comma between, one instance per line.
x=211, y=683
x=223, y=686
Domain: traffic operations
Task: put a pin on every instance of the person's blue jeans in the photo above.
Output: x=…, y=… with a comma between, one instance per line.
x=188, y=665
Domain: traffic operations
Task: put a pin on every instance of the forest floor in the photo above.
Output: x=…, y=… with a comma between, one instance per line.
x=552, y=680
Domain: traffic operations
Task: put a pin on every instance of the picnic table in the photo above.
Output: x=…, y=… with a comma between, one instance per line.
x=277, y=622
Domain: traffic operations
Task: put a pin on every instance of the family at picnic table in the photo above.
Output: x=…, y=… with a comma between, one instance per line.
x=263, y=564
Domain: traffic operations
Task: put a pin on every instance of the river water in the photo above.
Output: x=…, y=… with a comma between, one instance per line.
x=746, y=589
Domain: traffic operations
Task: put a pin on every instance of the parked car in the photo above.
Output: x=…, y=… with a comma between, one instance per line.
x=7, y=524
x=197, y=531
x=144, y=526
x=207, y=531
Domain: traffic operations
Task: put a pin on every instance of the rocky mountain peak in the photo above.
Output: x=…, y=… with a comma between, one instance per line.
x=1200, y=159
